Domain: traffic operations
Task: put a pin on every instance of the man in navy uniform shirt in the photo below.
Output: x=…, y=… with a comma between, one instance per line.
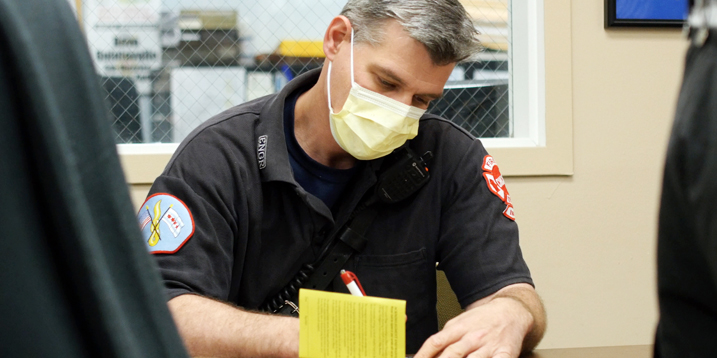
x=253, y=194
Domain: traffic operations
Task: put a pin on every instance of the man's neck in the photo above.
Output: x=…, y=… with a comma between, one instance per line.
x=312, y=129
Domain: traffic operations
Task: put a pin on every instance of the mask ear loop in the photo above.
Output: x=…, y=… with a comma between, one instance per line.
x=352, y=57
x=328, y=88
x=328, y=76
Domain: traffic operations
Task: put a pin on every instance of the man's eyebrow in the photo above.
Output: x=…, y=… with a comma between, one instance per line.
x=396, y=78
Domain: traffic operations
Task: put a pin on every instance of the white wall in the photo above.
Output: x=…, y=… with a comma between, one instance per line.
x=590, y=238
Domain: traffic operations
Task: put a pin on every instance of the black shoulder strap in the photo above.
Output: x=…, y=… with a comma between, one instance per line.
x=405, y=174
x=350, y=239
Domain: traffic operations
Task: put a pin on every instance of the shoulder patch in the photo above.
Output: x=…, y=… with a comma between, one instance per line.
x=496, y=185
x=166, y=223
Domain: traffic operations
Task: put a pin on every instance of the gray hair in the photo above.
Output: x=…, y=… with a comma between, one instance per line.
x=443, y=26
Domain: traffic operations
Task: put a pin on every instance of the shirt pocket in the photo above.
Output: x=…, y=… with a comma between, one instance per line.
x=402, y=276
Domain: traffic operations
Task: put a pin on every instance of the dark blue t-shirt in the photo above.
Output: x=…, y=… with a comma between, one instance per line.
x=324, y=182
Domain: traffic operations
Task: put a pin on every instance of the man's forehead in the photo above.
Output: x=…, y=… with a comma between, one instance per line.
x=403, y=60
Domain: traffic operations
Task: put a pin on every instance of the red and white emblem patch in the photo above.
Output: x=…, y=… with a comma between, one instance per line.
x=496, y=184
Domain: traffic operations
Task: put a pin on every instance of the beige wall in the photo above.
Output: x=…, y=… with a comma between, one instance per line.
x=589, y=238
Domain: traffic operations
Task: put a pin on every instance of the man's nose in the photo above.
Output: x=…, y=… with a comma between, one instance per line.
x=405, y=98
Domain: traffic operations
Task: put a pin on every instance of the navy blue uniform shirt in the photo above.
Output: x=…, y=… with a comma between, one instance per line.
x=324, y=182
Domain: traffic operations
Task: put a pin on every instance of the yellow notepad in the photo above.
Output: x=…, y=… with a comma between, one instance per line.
x=337, y=325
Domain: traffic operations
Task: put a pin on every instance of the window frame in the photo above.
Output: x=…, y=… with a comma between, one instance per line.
x=546, y=151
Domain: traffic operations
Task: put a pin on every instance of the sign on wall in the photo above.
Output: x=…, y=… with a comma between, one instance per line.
x=124, y=38
x=122, y=12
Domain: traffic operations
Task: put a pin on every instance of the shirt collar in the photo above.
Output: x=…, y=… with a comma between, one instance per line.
x=272, y=155
x=270, y=139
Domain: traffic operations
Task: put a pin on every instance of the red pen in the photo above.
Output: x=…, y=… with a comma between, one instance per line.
x=352, y=283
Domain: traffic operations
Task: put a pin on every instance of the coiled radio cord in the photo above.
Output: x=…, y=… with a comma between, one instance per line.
x=289, y=291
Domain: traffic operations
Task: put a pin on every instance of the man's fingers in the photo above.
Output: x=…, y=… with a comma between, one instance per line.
x=469, y=343
x=504, y=355
x=481, y=353
x=484, y=352
x=453, y=343
x=434, y=345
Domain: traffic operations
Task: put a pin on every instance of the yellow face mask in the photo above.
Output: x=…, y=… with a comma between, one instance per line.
x=371, y=125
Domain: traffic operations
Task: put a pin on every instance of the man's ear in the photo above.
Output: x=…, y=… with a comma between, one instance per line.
x=338, y=32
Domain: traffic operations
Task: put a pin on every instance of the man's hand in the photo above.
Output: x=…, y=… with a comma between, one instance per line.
x=498, y=326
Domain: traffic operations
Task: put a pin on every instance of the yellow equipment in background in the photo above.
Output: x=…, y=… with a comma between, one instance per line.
x=300, y=48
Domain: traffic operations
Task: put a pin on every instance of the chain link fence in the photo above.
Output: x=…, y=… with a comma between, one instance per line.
x=168, y=65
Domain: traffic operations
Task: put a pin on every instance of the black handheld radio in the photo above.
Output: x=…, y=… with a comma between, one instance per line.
x=405, y=174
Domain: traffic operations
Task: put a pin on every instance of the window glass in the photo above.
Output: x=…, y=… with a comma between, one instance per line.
x=168, y=65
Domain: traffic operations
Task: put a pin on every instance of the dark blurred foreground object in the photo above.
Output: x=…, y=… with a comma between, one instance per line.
x=75, y=279
x=687, y=243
